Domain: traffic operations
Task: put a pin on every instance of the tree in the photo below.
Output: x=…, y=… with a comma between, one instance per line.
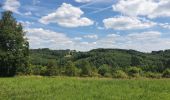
x=14, y=48
x=71, y=70
x=86, y=69
x=104, y=69
x=167, y=63
x=119, y=74
x=166, y=73
x=38, y=70
x=134, y=71
x=136, y=61
x=52, y=69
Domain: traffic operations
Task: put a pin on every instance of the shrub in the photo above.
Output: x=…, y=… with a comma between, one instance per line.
x=107, y=75
x=86, y=69
x=38, y=70
x=52, y=71
x=134, y=71
x=71, y=70
x=119, y=74
x=95, y=72
x=166, y=73
x=24, y=71
x=103, y=70
x=152, y=75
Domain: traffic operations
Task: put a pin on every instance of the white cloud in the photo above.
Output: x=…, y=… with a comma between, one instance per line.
x=94, y=1
x=113, y=35
x=41, y=38
x=100, y=28
x=91, y=36
x=108, y=41
x=83, y=1
x=164, y=25
x=12, y=5
x=149, y=8
x=77, y=38
x=126, y=23
x=67, y=16
x=144, y=36
x=28, y=13
x=162, y=10
x=135, y=7
x=144, y=41
x=26, y=23
x=84, y=43
x=35, y=2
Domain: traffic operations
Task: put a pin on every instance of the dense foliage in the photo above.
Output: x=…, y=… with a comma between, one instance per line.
x=14, y=47
x=116, y=63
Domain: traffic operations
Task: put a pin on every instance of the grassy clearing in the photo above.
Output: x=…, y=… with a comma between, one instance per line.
x=64, y=88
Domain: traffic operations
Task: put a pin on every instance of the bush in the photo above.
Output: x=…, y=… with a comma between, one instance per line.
x=119, y=74
x=103, y=70
x=71, y=70
x=95, y=72
x=152, y=75
x=134, y=71
x=86, y=69
x=166, y=73
x=24, y=71
x=107, y=75
x=38, y=70
x=52, y=68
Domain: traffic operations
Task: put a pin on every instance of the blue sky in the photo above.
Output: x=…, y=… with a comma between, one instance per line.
x=143, y=25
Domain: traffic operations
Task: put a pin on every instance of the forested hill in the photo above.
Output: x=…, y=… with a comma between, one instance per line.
x=115, y=59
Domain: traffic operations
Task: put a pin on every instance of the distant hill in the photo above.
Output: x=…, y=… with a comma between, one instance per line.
x=156, y=61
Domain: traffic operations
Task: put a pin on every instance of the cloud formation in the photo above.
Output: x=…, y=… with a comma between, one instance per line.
x=83, y=1
x=126, y=23
x=149, y=8
x=67, y=16
x=42, y=38
x=142, y=41
x=91, y=36
x=12, y=5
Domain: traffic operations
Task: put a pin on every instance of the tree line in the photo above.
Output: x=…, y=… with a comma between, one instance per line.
x=117, y=63
x=17, y=59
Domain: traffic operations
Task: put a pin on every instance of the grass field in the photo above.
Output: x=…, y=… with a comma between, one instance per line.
x=64, y=88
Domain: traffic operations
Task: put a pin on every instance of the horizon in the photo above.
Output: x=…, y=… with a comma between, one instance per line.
x=101, y=48
x=84, y=25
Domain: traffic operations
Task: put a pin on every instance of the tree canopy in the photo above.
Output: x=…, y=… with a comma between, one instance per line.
x=14, y=48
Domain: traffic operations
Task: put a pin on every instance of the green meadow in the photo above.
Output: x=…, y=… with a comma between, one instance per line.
x=68, y=88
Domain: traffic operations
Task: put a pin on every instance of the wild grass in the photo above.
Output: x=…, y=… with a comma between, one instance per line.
x=66, y=88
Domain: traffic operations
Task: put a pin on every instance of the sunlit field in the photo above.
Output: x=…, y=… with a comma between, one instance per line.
x=66, y=88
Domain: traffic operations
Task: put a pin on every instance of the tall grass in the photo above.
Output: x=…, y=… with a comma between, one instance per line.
x=64, y=88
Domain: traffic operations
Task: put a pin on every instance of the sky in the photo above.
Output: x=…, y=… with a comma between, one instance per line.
x=82, y=25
